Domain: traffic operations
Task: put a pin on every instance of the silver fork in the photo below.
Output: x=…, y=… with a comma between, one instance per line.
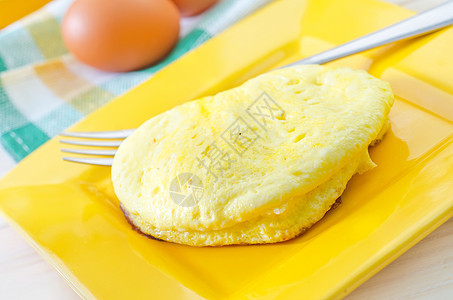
x=108, y=140
x=428, y=21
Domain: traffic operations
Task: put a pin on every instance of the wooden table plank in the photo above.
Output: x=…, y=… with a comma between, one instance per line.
x=24, y=274
x=424, y=272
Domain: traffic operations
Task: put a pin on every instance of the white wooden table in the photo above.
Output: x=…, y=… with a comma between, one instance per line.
x=424, y=272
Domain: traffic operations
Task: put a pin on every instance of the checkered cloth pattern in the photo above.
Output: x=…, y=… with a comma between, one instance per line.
x=44, y=89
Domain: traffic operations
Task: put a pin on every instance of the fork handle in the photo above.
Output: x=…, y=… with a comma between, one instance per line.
x=428, y=21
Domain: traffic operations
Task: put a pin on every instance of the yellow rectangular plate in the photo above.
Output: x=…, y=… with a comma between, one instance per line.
x=69, y=212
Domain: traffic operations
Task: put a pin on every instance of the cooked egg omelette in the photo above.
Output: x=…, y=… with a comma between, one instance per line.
x=260, y=163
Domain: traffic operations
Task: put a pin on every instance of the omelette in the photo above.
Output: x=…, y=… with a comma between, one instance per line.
x=259, y=163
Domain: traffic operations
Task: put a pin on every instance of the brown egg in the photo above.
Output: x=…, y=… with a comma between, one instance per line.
x=121, y=35
x=193, y=7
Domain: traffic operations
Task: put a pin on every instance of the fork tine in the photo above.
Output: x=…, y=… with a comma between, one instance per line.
x=117, y=134
x=93, y=143
x=90, y=161
x=90, y=151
